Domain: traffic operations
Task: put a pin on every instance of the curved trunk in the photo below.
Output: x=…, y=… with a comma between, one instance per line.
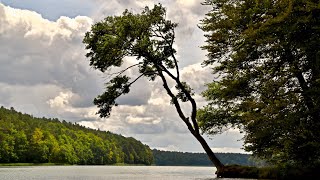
x=217, y=163
x=193, y=127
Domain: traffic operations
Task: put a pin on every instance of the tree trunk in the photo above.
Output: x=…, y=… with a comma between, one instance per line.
x=209, y=152
x=194, y=129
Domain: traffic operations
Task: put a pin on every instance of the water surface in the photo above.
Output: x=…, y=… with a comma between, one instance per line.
x=108, y=173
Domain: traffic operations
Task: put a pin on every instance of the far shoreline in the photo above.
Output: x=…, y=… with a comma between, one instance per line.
x=61, y=164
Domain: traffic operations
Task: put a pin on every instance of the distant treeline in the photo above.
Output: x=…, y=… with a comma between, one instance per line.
x=24, y=138
x=27, y=139
x=171, y=158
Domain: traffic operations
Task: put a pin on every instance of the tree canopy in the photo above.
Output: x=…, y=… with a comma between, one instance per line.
x=148, y=37
x=266, y=55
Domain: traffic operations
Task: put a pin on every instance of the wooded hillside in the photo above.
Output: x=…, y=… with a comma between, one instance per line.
x=24, y=138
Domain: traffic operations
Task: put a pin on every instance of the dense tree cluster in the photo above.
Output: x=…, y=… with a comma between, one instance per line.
x=172, y=158
x=266, y=55
x=24, y=138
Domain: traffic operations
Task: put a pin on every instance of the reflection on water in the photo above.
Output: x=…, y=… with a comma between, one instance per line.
x=108, y=173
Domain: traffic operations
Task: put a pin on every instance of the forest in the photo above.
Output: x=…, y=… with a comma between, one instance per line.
x=172, y=158
x=27, y=139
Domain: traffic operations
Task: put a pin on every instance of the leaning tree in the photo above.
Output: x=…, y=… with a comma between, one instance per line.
x=148, y=37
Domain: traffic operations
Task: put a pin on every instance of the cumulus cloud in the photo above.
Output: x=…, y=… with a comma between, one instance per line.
x=145, y=120
x=44, y=72
x=31, y=99
x=37, y=54
x=200, y=76
x=60, y=101
x=52, y=9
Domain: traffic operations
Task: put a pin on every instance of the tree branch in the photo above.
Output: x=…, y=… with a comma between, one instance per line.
x=141, y=75
x=170, y=43
x=304, y=87
x=175, y=101
x=122, y=71
x=302, y=82
x=192, y=101
x=173, y=56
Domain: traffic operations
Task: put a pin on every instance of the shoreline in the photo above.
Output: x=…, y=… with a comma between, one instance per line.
x=61, y=164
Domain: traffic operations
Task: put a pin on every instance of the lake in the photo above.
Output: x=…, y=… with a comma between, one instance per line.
x=107, y=172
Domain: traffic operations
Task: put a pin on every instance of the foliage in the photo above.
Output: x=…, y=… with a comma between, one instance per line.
x=266, y=57
x=148, y=37
x=26, y=139
x=172, y=158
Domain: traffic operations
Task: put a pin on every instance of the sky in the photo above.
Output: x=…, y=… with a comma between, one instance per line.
x=44, y=71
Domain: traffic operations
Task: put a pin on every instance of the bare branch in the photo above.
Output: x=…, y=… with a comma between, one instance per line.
x=122, y=71
x=173, y=56
x=175, y=63
x=141, y=75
